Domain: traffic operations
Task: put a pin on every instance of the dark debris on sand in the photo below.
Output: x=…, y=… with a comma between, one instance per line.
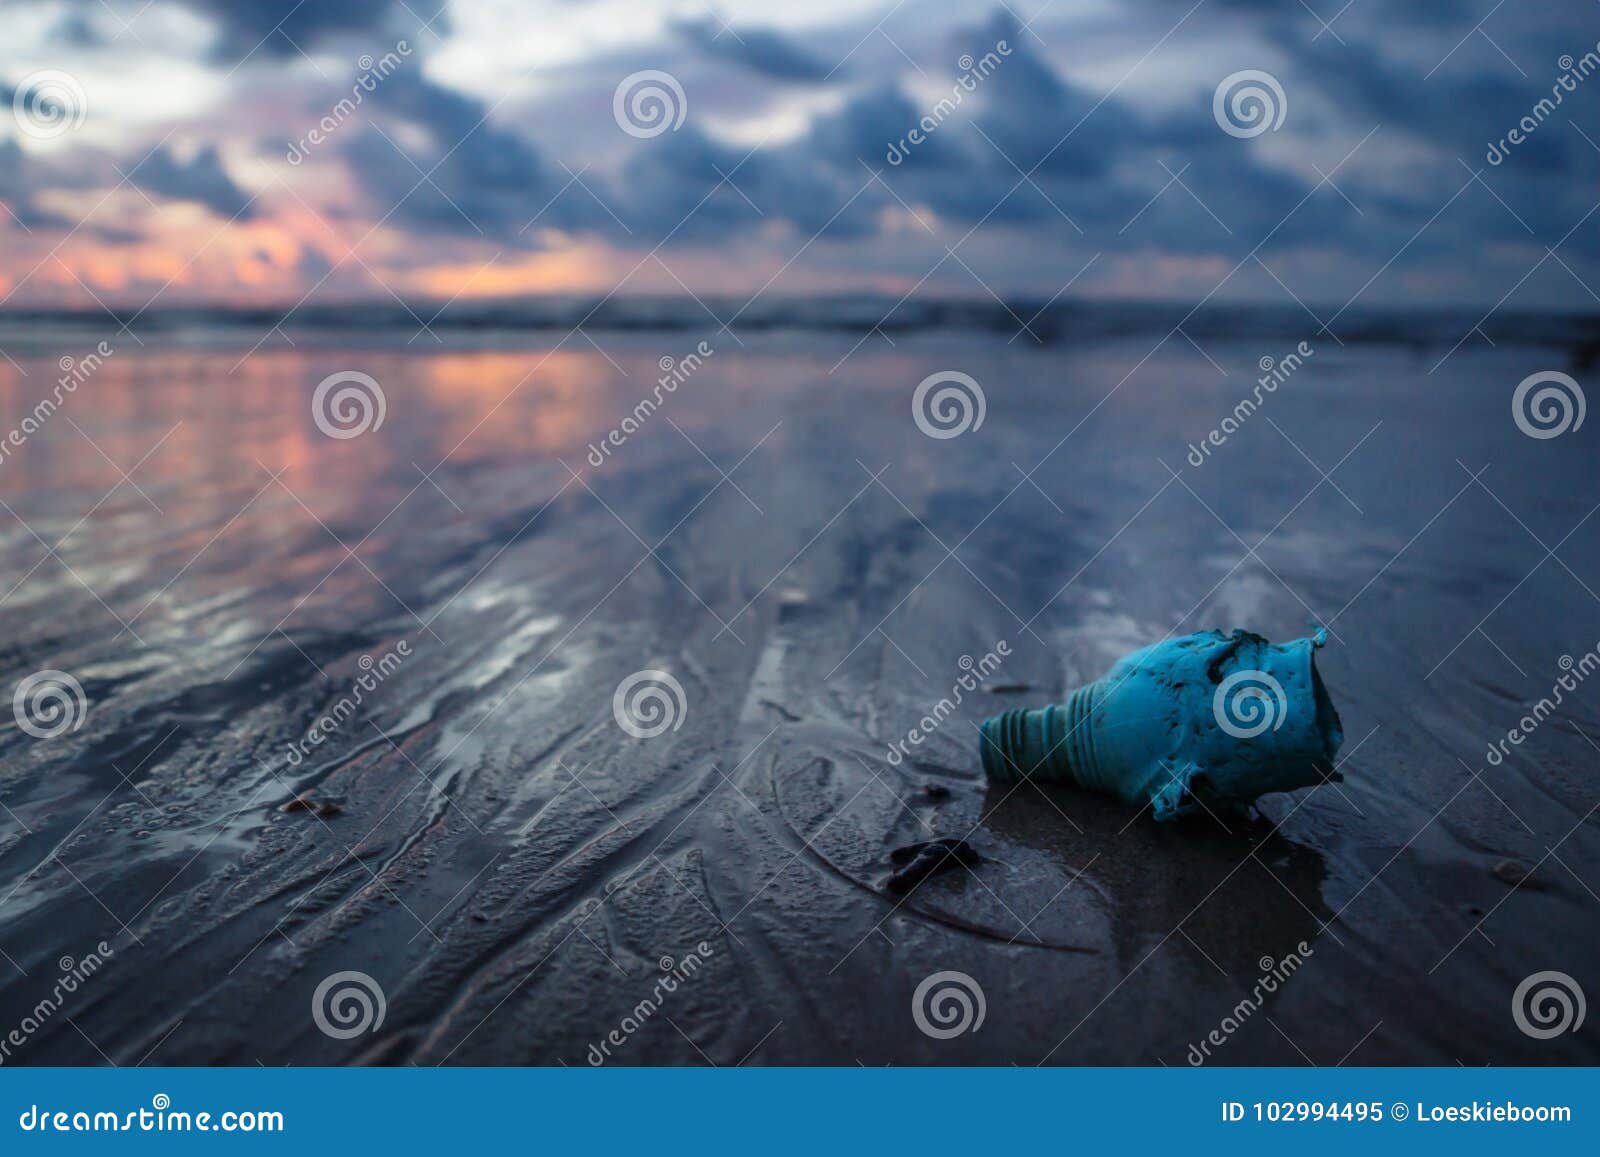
x=916, y=862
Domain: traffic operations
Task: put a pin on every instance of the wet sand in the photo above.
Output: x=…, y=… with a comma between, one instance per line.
x=512, y=867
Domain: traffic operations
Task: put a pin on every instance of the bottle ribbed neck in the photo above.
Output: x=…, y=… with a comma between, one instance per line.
x=1051, y=744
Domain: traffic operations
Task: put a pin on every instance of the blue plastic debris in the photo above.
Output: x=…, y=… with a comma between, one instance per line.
x=1208, y=722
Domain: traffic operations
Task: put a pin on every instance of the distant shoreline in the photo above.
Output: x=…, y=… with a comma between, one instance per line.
x=1044, y=322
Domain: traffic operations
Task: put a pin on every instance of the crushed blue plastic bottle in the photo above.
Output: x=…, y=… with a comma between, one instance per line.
x=1207, y=722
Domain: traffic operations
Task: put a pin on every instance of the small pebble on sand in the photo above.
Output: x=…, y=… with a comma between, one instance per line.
x=1511, y=871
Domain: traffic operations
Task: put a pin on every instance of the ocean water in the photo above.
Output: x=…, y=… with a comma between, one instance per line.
x=431, y=631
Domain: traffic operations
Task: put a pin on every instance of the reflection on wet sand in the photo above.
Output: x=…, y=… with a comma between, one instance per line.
x=781, y=538
x=1239, y=891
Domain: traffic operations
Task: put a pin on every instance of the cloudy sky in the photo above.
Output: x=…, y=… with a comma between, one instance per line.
x=162, y=151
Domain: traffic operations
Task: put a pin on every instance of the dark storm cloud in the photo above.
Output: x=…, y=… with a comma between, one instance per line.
x=1098, y=160
x=674, y=185
x=1089, y=163
x=761, y=50
x=17, y=187
x=1032, y=151
x=76, y=30
x=484, y=178
x=22, y=181
x=282, y=28
x=1425, y=68
x=201, y=178
x=1044, y=153
x=266, y=29
x=1041, y=122
x=473, y=177
x=1447, y=92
